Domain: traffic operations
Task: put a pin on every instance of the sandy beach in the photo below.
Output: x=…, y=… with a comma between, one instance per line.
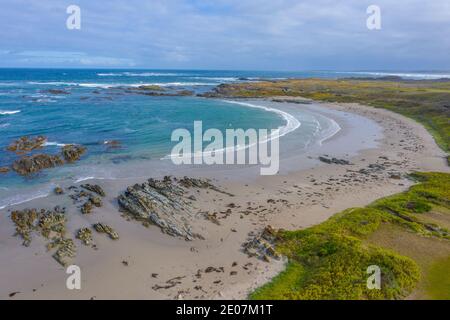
x=147, y=264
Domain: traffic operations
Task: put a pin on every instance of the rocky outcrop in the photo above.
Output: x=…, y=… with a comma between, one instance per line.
x=56, y=91
x=104, y=228
x=31, y=164
x=160, y=202
x=4, y=170
x=334, y=161
x=72, y=152
x=166, y=204
x=50, y=224
x=58, y=191
x=65, y=252
x=85, y=236
x=112, y=144
x=150, y=87
x=184, y=93
x=86, y=208
x=88, y=198
x=187, y=182
x=26, y=144
x=94, y=188
x=262, y=245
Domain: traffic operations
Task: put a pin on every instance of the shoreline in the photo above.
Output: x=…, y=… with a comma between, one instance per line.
x=292, y=124
x=299, y=202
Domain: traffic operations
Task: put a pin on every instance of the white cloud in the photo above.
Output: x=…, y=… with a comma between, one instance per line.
x=314, y=34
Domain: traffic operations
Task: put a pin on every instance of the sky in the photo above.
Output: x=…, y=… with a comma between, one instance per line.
x=291, y=35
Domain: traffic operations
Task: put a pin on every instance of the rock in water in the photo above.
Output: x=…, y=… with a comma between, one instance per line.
x=56, y=91
x=25, y=144
x=28, y=165
x=4, y=170
x=161, y=202
x=72, y=152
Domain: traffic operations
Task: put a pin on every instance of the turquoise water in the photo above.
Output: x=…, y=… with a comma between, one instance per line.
x=99, y=108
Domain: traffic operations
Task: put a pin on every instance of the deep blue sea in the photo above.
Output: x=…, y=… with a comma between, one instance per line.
x=98, y=108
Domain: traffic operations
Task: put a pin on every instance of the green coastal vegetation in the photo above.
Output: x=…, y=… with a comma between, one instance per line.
x=426, y=101
x=406, y=235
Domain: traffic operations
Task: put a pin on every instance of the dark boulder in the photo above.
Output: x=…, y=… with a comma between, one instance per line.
x=72, y=152
x=26, y=144
x=29, y=165
x=4, y=170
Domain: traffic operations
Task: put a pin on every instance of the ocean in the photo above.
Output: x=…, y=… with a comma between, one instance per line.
x=93, y=107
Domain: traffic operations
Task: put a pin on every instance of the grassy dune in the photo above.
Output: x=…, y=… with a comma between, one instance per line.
x=403, y=234
x=406, y=235
x=428, y=102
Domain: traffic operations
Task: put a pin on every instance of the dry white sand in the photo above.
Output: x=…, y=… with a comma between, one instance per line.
x=306, y=192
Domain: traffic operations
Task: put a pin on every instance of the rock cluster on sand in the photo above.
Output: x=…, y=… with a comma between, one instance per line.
x=94, y=188
x=50, y=224
x=89, y=198
x=66, y=250
x=58, y=191
x=262, y=245
x=104, y=228
x=334, y=161
x=163, y=203
x=85, y=235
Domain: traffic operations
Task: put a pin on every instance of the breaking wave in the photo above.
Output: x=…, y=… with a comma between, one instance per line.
x=8, y=112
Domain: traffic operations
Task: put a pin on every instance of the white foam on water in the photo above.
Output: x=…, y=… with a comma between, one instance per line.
x=81, y=179
x=8, y=112
x=216, y=78
x=51, y=143
x=183, y=84
x=132, y=85
x=139, y=74
x=292, y=124
x=20, y=198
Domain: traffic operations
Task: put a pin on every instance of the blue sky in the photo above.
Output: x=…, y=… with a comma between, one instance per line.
x=227, y=34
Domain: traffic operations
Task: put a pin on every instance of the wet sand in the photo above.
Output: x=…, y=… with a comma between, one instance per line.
x=306, y=192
